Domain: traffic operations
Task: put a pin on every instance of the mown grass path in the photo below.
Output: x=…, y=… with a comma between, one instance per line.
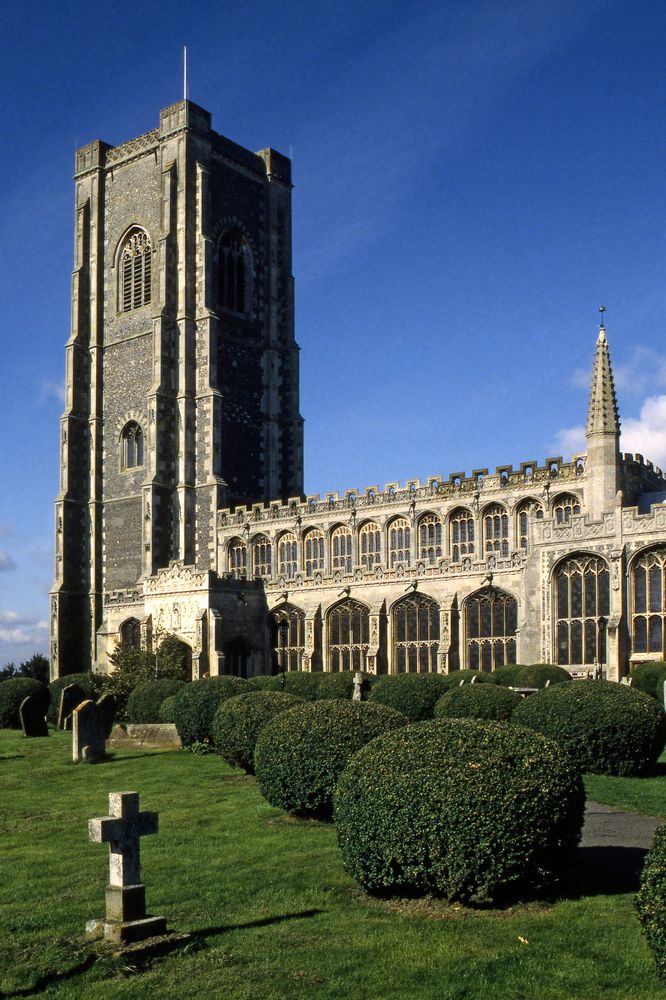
x=272, y=912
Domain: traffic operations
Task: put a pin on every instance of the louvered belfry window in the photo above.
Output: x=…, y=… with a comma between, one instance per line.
x=136, y=271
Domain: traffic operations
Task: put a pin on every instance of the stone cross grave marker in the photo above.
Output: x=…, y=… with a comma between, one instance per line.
x=126, y=920
x=358, y=684
x=33, y=719
x=70, y=697
x=87, y=733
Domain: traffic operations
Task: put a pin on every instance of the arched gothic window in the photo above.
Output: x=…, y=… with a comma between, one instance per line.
x=348, y=636
x=233, y=271
x=523, y=522
x=399, y=542
x=238, y=558
x=371, y=544
x=430, y=539
x=564, y=507
x=415, y=634
x=648, y=589
x=130, y=633
x=496, y=531
x=314, y=551
x=262, y=556
x=491, y=619
x=135, y=270
x=288, y=637
x=582, y=601
x=341, y=549
x=132, y=446
x=287, y=555
x=461, y=527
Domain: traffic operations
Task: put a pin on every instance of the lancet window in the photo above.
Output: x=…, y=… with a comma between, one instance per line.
x=582, y=602
x=233, y=261
x=648, y=592
x=348, y=636
x=371, y=544
x=262, y=556
x=496, y=531
x=564, y=507
x=523, y=522
x=491, y=619
x=399, y=542
x=135, y=270
x=288, y=637
x=314, y=552
x=287, y=555
x=341, y=549
x=415, y=634
x=132, y=446
x=430, y=539
x=461, y=527
x=238, y=558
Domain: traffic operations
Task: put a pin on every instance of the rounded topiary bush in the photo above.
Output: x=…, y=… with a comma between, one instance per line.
x=197, y=702
x=302, y=683
x=469, y=810
x=262, y=682
x=608, y=728
x=143, y=704
x=535, y=675
x=341, y=685
x=415, y=695
x=85, y=681
x=458, y=677
x=300, y=755
x=12, y=693
x=651, y=901
x=238, y=721
x=649, y=677
x=477, y=701
x=167, y=712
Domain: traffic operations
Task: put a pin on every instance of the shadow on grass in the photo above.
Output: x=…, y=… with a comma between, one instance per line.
x=603, y=871
x=205, y=932
x=47, y=980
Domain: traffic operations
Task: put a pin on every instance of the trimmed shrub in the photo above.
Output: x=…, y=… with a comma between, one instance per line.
x=12, y=693
x=469, y=810
x=238, y=721
x=457, y=677
x=608, y=728
x=86, y=682
x=341, y=685
x=143, y=704
x=649, y=677
x=301, y=683
x=477, y=701
x=415, y=695
x=262, y=681
x=197, y=702
x=167, y=712
x=300, y=755
x=651, y=901
x=533, y=675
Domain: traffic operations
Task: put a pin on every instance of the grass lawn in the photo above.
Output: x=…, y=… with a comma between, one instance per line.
x=272, y=912
x=641, y=795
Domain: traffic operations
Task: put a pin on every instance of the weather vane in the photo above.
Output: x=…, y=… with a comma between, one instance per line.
x=602, y=310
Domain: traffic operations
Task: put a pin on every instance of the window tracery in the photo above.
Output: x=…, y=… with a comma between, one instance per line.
x=348, y=636
x=582, y=601
x=461, y=528
x=262, y=556
x=314, y=552
x=496, y=530
x=135, y=270
x=233, y=271
x=430, y=539
x=287, y=555
x=371, y=544
x=523, y=522
x=648, y=592
x=288, y=636
x=564, y=507
x=491, y=620
x=238, y=558
x=399, y=542
x=341, y=549
x=130, y=633
x=131, y=446
x=415, y=634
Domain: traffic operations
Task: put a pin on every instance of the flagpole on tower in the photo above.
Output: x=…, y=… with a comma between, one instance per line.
x=184, y=72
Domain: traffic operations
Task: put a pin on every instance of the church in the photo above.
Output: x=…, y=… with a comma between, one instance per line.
x=181, y=507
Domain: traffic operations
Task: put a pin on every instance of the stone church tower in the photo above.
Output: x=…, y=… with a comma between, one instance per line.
x=182, y=387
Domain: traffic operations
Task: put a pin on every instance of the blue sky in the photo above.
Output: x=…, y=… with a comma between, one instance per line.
x=472, y=179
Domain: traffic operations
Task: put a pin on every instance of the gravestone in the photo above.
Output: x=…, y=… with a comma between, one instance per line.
x=70, y=697
x=106, y=707
x=358, y=684
x=664, y=693
x=473, y=680
x=126, y=920
x=87, y=733
x=33, y=719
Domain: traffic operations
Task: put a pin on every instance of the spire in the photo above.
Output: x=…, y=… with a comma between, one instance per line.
x=602, y=415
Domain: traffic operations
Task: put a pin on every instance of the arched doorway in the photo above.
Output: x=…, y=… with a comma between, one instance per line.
x=237, y=653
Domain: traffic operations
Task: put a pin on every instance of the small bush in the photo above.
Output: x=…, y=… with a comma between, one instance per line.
x=415, y=695
x=477, y=701
x=606, y=727
x=458, y=677
x=535, y=675
x=238, y=721
x=89, y=684
x=341, y=685
x=262, y=681
x=649, y=678
x=143, y=704
x=651, y=901
x=12, y=693
x=167, y=712
x=301, y=683
x=473, y=811
x=197, y=702
x=300, y=754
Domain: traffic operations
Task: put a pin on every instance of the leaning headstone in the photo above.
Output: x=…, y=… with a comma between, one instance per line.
x=70, y=696
x=87, y=733
x=106, y=707
x=664, y=694
x=126, y=920
x=358, y=684
x=33, y=720
x=473, y=680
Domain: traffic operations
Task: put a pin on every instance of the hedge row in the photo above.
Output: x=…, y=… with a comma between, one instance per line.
x=239, y=720
x=197, y=702
x=12, y=693
x=144, y=702
x=650, y=678
x=90, y=684
x=477, y=701
x=535, y=675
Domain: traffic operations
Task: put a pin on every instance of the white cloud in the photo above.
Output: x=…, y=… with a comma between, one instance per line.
x=52, y=390
x=570, y=441
x=645, y=369
x=6, y=562
x=645, y=434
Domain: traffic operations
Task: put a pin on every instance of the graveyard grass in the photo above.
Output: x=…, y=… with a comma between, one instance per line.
x=271, y=911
